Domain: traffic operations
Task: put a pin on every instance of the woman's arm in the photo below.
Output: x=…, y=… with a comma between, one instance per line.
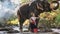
x=37, y=17
x=30, y=20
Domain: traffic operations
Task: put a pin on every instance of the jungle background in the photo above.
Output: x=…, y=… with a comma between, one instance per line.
x=8, y=14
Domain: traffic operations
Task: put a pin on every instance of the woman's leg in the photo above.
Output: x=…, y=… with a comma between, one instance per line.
x=33, y=27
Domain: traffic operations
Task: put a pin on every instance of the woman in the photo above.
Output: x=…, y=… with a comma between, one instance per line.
x=33, y=23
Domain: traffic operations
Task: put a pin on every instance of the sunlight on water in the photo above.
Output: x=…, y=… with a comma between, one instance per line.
x=3, y=32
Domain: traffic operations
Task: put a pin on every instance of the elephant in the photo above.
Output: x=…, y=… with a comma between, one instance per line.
x=37, y=7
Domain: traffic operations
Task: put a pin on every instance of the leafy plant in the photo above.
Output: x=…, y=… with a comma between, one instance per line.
x=57, y=20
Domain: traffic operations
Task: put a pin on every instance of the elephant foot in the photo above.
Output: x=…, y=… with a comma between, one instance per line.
x=21, y=30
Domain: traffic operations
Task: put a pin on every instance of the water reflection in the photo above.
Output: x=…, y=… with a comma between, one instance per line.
x=3, y=32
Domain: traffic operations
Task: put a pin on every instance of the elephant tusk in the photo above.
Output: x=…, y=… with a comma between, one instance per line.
x=39, y=7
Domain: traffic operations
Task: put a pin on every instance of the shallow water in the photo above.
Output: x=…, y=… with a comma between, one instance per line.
x=17, y=28
x=5, y=32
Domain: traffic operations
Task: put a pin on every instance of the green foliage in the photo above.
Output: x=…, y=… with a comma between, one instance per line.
x=12, y=17
x=24, y=1
x=49, y=0
x=51, y=23
x=58, y=18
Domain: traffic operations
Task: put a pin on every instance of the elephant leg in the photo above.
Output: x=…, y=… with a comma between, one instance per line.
x=21, y=23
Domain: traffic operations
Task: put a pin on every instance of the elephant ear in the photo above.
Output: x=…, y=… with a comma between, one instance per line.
x=54, y=5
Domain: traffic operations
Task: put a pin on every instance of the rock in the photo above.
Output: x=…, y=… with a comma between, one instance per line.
x=5, y=29
x=13, y=31
x=55, y=33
